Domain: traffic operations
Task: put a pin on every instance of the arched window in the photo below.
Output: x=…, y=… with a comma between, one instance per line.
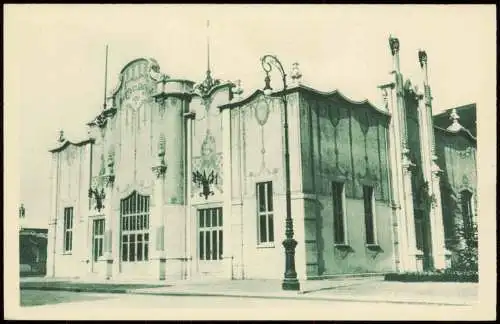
x=134, y=211
x=467, y=214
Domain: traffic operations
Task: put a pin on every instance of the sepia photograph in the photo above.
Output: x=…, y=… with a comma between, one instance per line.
x=307, y=162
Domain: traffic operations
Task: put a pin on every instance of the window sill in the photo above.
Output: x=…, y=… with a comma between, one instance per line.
x=373, y=247
x=265, y=245
x=342, y=246
x=67, y=253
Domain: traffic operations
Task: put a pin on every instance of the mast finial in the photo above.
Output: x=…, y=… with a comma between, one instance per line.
x=208, y=48
x=105, y=77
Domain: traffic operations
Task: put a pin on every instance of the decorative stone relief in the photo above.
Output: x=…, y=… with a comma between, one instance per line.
x=468, y=152
x=208, y=164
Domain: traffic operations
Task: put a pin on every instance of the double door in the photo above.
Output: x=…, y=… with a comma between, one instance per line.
x=210, y=240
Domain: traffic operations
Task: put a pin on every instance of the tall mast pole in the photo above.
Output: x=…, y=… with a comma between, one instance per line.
x=105, y=77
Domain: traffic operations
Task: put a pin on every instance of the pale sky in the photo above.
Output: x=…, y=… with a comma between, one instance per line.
x=54, y=58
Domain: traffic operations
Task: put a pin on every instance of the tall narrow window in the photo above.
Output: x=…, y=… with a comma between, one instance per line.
x=369, y=221
x=265, y=218
x=134, y=212
x=338, y=213
x=98, y=235
x=466, y=204
x=68, y=229
x=210, y=243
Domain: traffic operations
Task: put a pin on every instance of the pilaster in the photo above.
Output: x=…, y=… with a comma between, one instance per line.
x=157, y=224
x=52, y=226
x=108, y=181
x=227, y=205
x=189, y=118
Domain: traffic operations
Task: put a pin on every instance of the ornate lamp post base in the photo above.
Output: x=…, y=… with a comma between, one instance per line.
x=290, y=282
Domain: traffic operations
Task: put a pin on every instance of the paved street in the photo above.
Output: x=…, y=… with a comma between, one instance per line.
x=80, y=305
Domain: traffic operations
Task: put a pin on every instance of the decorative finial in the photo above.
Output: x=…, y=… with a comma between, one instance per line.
x=455, y=126
x=422, y=58
x=61, y=136
x=22, y=211
x=296, y=75
x=394, y=45
x=237, y=90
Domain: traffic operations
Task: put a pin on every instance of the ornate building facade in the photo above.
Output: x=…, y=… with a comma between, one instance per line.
x=179, y=180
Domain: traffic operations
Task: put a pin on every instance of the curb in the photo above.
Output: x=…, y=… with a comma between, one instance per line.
x=299, y=296
x=75, y=289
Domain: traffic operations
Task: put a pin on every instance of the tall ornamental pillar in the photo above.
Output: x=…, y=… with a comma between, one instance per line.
x=407, y=240
x=430, y=168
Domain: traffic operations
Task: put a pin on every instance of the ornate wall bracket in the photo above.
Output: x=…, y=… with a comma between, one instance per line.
x=159, y=170
x=108, y=180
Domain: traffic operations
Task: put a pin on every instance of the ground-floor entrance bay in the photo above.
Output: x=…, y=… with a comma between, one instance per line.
x=210, y=240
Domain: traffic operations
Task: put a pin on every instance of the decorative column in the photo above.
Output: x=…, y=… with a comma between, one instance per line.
x=108, y=182
x=189, y=117
x=157, y=222
x=430, y=168
x=403, y=166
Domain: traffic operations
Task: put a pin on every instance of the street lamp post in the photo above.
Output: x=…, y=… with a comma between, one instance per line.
x=290, y=282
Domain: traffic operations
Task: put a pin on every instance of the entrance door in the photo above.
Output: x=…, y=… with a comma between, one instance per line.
x=97, y=244
x=210, y=240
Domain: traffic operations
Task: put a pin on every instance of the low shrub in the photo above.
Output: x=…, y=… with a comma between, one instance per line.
x=445, y=276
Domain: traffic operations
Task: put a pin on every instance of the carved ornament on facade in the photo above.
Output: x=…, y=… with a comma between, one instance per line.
x=108, y=180
x=425, y=199
x=161, y=168
x=207, y=167
x=468, y=152
x=435, y=169
x=385, y=97
x=407, y=164
x=261, y=109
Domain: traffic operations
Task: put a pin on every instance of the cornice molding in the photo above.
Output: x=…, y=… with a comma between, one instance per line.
x=303, y=88
x=66, y=143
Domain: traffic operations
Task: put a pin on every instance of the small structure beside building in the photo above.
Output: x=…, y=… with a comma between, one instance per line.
x=32, y=248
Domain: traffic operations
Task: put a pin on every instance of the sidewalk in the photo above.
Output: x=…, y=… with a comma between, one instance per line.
x=363, y=289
